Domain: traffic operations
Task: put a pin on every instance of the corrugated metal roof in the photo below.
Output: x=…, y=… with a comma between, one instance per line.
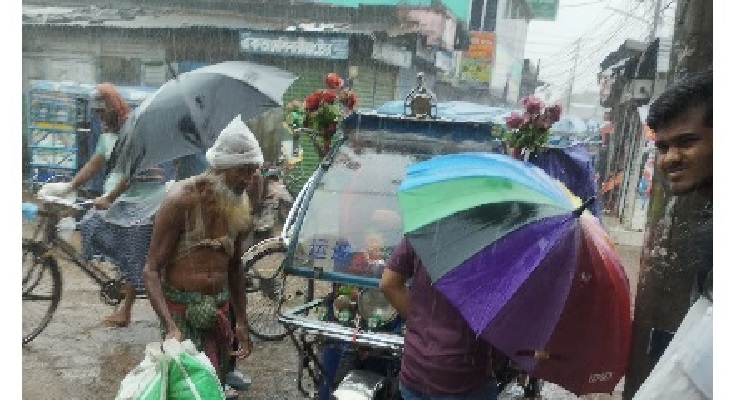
x=139, y=18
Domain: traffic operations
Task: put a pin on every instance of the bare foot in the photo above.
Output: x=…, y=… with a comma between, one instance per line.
x=117, y=320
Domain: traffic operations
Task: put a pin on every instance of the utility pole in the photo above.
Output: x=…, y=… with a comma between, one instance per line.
x=573, y=75
x=655, y=22
x=676, y=228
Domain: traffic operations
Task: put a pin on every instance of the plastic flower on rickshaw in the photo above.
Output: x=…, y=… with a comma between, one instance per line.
x=530, y=129
x=323, y=109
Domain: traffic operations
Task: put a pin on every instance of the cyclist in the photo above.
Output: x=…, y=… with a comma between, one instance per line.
x=119, y=227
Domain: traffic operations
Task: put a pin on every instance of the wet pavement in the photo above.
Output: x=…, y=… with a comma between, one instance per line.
x=78, y=358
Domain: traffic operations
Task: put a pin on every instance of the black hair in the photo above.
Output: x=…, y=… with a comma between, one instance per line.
x=692, y=91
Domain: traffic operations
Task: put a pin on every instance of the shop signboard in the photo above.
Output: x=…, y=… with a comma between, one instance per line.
x=481, y=45
x=335, y=47
x=544, y=10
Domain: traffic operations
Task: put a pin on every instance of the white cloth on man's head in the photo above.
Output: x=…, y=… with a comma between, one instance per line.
x=235, y=146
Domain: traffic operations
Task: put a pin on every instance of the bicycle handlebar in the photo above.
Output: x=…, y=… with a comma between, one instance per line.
x=75, y=204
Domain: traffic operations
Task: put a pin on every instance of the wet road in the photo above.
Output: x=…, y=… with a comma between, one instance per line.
x=78, y=358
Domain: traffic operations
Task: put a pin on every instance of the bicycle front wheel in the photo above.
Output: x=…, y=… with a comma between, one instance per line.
x=41, y=289
x=270, y=292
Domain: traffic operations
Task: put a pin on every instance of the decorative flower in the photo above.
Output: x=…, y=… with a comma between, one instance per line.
x=530, y=130
x=333, y=81
x=323, y=109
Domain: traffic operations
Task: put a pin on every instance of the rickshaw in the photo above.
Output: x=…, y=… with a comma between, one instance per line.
x=340, y=231
x=321, y=275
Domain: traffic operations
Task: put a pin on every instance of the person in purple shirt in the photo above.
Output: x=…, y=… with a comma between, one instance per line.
x=442, y=358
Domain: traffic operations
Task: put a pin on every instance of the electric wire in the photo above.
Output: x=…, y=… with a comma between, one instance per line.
x=566, y=52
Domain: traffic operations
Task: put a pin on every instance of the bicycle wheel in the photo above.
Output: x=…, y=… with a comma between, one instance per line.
x=41, y=290
x=271, y=292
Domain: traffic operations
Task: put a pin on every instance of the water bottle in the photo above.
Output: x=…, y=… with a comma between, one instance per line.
x=29, y=211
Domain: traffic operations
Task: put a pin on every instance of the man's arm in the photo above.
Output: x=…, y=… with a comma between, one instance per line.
x=236, y=276
x=103, y=202
x=393, y=286
x=168, y=225
x=92, y=166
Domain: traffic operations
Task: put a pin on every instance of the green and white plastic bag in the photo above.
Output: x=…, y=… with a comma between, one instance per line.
x=147, y=381
x=172, y=371
x=191, y=375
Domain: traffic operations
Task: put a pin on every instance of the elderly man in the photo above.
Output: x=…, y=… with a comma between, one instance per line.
x=193, y=271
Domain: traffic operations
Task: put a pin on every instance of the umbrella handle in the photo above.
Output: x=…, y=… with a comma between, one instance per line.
x=539, y=355
x=579, y=211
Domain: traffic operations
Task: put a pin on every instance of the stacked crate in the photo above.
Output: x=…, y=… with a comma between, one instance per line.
x=56, y=110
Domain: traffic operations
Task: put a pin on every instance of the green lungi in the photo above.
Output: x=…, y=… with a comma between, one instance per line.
x=204, y=319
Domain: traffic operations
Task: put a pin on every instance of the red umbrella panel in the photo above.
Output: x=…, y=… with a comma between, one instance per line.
x=585, y=326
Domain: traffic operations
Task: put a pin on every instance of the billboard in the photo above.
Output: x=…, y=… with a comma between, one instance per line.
x=476, y=64
x=438, y=29
x=544, y=10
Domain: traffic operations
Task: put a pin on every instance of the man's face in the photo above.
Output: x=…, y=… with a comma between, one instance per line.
x=107, y=117
x=685, y=153
x=239, y=178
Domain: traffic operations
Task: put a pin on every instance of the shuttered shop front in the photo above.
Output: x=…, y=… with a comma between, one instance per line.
x=311, y=74
x=375, y=84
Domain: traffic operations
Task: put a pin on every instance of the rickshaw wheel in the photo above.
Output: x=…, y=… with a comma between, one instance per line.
x=271, y=292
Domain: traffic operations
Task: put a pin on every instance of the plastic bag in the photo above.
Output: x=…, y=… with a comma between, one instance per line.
x=359, y=385
x=685, y=370
x=147, y=380
x=191, y=375
x=172, y=370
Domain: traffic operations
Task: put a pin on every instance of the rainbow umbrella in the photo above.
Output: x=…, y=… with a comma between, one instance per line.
x=524, y=262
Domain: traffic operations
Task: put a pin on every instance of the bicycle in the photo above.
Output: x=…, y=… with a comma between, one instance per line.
x=41, y=288
x=41, y=252
x=270, y=290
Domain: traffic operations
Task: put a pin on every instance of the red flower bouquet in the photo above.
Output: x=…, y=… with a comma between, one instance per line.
x=323, y=109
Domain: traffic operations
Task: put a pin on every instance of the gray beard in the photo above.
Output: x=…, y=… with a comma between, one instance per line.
x=235, y=207
x=224, y=191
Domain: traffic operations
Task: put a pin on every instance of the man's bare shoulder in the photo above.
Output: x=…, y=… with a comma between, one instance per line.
x=181, y=193
x=188, y=192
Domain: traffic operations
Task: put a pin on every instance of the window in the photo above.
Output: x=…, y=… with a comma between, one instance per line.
x=483, y=15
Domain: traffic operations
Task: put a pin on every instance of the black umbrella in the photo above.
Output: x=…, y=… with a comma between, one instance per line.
x=186, y=114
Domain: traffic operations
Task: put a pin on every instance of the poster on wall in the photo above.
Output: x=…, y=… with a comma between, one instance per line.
x=481, y=45
x=476, y=63
x=473, y=69
x=646, y=172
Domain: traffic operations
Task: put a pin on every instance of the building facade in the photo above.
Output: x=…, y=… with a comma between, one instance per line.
x=508, y=21
x=631, y=78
